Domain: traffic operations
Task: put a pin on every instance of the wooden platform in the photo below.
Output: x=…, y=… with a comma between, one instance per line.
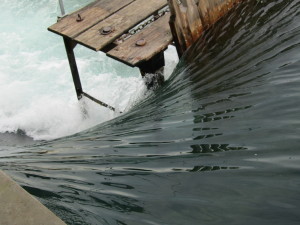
x=136, y=32
x=119, y=16
x=157, y=38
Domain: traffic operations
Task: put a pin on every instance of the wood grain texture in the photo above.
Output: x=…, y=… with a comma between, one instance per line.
x=121, y=21
x=191, y=17
x=91, y=14
x=157, y=36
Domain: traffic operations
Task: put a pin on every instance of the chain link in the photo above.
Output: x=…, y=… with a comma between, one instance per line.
x=138, y=28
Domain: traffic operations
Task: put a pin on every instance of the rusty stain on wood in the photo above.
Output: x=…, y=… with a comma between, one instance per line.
x=189, y=18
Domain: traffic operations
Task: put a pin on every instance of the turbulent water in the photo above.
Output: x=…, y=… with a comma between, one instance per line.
x=218, y=143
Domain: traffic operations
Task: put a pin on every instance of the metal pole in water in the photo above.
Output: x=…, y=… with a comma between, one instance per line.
x=62, y=8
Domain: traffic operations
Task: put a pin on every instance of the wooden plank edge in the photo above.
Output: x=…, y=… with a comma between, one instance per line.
x=136, y=64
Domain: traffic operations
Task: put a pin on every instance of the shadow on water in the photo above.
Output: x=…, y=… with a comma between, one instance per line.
x=199, y=150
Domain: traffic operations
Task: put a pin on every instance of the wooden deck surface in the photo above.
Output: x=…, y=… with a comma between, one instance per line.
x=157, y=37
x=121, y=22
x=91, y=14
x=121, y=16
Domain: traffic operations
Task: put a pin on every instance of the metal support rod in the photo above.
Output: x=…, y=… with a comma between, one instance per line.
x=62, y=8
x=70, y=45
x=99, y=102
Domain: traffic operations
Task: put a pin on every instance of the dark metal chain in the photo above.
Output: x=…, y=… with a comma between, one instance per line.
x=143, y=24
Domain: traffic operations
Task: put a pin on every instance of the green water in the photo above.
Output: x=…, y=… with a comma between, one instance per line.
x=218, y=143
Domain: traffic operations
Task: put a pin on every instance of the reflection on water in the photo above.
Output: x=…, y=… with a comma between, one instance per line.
x=209, y=148
x=212, y=168
x=217, y=144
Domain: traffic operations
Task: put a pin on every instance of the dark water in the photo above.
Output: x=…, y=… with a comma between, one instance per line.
x=217, y=144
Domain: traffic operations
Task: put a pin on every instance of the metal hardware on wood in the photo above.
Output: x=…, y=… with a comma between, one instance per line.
x=141, y=42
x=146, y=23
x=79, y=18
x=106, y=30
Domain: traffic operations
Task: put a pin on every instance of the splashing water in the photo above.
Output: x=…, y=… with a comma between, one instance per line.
x=35, y=82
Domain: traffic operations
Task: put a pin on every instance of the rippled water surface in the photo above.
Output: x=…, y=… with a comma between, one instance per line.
x=218, y=143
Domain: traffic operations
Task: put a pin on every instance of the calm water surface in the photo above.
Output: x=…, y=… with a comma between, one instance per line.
x=217, y=144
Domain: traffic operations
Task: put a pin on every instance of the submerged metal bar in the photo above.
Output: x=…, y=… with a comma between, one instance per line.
x=98, y=101
x=62, y=8
x=70, y=45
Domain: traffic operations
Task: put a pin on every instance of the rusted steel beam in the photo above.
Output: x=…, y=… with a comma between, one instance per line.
x=189, y=18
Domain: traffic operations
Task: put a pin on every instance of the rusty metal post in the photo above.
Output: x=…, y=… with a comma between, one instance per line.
x=70, y=45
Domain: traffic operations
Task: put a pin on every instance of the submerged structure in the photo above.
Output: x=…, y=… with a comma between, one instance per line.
x=136, y=32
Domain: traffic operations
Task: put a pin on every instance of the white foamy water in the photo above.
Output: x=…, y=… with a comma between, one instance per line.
x=36, y=88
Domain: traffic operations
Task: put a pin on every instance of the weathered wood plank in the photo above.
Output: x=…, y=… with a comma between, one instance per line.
x=121, y=22
x=212, y=10
x=157, y=37
x=189, y=18
x=91, y=15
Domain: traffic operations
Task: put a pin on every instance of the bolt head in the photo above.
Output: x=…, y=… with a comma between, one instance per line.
x=106, y=30
x=141, y=42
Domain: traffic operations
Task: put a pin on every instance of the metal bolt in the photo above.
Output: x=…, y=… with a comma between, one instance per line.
x=156, y=17
x=79, y=18
x=106, y=30
x=141, y=42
